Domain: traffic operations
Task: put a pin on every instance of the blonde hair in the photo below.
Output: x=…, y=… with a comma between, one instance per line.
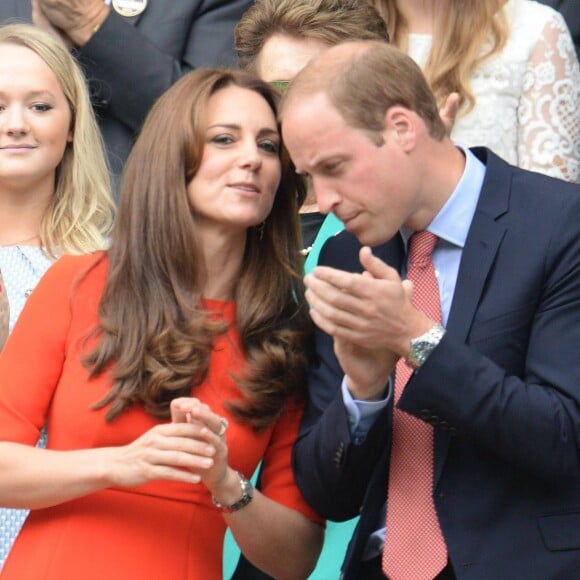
x=80, y=213
x=466, y=33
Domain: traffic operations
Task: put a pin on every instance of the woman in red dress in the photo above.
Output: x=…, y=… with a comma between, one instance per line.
x=168, y=367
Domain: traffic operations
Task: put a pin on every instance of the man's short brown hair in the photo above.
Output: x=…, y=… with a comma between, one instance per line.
x=365, y=79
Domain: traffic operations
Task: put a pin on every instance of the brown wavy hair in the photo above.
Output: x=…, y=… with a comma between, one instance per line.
x=466, y=33
x=155, y=337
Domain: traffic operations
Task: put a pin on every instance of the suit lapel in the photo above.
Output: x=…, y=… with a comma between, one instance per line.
x=392, y=252
x=483, y=241
x=481, y=247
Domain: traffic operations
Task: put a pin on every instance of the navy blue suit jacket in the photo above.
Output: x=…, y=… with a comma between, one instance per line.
x=502, y=391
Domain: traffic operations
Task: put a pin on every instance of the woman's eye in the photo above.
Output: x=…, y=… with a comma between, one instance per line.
x=222, y=139
x=270, y=146
x=41, y=107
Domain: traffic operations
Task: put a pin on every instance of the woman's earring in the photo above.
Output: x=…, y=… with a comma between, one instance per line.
x=260, y=229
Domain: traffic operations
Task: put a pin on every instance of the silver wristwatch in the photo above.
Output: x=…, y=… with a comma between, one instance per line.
x=422, y=346
x=247, y=495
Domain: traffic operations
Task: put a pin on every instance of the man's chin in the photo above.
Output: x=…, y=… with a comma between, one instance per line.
x=371, y=239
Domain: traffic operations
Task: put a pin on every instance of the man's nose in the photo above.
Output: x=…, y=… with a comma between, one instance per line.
x=326, y=196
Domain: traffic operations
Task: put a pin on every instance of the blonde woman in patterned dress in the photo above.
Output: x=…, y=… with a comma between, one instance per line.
x=54, y=184
x=514, y=65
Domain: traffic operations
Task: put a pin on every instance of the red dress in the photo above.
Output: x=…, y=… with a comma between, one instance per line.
x=162, y=529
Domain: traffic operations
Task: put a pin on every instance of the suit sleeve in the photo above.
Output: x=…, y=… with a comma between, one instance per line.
x=130, y=70
x=513, y=392
x=277, y=480
x=332, y=472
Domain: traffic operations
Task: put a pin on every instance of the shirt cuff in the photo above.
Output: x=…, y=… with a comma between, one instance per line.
x=362, y=414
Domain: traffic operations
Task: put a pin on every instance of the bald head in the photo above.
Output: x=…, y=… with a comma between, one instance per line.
x=363, y=80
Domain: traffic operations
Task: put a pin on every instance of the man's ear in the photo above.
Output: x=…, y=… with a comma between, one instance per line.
x=400, y=124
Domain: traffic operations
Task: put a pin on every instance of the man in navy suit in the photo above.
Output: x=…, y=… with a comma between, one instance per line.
x=498, y=380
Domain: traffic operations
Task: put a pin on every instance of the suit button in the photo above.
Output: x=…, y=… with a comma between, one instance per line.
x=425, y=414
x=339, y=454
x=100, y=103
x=444, y=425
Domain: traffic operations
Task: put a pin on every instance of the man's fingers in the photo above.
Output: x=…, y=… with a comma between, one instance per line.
x=408, y=288
x=375, y=266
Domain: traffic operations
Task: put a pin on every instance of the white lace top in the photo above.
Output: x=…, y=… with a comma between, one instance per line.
x=527, y=107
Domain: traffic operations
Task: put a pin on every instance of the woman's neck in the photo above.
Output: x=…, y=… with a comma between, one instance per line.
x=20, y=219
x=223, y=263
x=419, y=15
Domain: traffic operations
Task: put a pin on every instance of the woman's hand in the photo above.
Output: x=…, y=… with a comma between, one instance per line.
x=210, y=431
x=173, y=451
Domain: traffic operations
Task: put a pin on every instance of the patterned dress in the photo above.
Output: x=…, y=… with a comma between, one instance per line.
x=22, y=267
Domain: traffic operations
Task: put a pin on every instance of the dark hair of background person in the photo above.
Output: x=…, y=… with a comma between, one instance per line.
x=330, y=21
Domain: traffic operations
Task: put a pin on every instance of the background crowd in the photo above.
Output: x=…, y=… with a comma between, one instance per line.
x=107, y=105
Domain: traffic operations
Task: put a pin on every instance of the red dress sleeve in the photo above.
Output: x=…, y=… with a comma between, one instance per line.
x=33, y=358
x=277, y=479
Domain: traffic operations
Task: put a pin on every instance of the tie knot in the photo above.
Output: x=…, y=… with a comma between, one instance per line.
x=421, y=247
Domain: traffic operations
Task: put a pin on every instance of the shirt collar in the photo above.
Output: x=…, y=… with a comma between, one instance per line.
x=453, y=221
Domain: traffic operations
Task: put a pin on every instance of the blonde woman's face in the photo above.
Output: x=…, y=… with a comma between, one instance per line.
x=35, y=121
x=240, y=169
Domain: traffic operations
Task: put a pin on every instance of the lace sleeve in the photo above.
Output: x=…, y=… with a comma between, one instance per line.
x=549, y=108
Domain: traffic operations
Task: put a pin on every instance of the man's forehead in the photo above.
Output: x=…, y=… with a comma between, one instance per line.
x=299, y=103
x=314, y=131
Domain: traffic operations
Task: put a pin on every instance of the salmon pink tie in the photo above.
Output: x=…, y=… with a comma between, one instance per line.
x=414, y=545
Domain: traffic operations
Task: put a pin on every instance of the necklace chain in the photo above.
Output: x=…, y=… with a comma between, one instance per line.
x=19, y=242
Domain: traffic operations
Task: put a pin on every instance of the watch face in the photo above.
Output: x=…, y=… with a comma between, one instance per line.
x=424, y=345
x=247, y=487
